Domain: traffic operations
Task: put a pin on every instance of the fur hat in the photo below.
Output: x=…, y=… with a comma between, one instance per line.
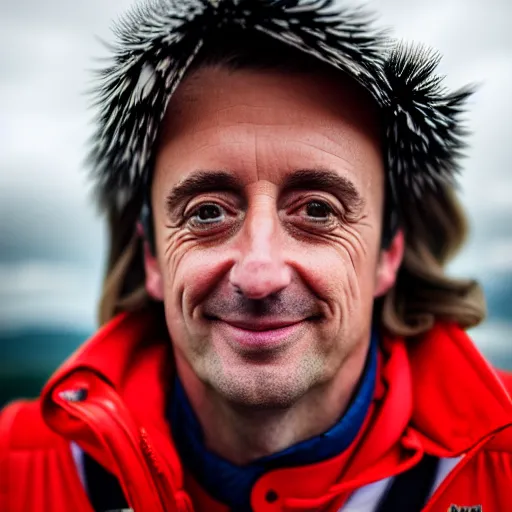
x=157, y=42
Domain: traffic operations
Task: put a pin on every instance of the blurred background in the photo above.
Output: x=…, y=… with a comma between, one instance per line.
x=52, y=241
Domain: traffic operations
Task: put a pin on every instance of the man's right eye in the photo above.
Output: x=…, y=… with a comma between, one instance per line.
x=208, y=214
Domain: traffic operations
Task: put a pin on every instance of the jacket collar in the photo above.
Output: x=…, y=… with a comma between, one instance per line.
x=458, y=397
x=131, y=353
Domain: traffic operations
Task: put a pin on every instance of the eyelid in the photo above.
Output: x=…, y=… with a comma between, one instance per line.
x=210, y=198
x=305, y=197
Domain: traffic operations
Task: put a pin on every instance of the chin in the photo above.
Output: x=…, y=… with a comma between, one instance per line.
x=265, y=386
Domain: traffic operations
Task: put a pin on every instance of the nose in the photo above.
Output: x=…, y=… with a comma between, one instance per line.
x=260, y=271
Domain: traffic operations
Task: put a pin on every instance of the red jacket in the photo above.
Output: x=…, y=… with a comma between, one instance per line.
x=434, y=395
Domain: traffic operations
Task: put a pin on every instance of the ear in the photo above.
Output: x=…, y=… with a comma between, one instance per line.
x=153, y=279
x=390, y=260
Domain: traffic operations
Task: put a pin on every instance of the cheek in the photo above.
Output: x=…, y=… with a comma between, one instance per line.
x=191, y=271
x=175, y=248
x=343, y=270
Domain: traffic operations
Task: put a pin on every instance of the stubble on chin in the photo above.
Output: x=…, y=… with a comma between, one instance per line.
x=260, y=386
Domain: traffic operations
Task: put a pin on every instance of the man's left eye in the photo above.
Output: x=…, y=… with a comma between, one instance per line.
x=318, y=210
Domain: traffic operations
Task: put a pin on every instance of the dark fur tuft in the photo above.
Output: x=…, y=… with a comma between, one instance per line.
x=425, y=133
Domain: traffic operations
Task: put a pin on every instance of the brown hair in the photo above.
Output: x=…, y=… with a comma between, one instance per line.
x=434, y=230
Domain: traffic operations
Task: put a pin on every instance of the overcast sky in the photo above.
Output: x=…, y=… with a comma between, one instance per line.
x=52, y=242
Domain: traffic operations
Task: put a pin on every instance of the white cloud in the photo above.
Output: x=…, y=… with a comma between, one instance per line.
x=51, y=294
x=485, y=258
x=500, y=255
x=493, y=339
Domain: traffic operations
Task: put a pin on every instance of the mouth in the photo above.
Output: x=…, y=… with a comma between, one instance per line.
x=260, y=326
x=259, y=335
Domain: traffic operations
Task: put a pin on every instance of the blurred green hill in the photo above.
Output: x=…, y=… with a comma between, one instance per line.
x=29, y=356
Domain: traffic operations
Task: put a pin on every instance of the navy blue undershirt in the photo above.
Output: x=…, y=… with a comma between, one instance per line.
x=231, y=484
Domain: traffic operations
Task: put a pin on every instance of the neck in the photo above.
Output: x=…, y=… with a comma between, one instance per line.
x=241, y=434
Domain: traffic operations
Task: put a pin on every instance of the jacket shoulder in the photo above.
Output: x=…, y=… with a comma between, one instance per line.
x=22, y=428
x=506, y=379
x=502, y=440
x=30, y=453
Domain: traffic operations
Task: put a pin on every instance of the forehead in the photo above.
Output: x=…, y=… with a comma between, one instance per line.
x=265, y=124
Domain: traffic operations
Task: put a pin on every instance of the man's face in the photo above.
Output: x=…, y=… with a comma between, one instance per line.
x=267, y=200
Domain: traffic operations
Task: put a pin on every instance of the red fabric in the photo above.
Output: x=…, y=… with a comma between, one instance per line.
x=435, y=395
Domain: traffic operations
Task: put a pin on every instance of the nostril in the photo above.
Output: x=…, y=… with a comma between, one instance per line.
x=259, y=279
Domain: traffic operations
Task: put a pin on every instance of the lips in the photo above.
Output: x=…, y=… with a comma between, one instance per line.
x=261, y=325
x=257, y=335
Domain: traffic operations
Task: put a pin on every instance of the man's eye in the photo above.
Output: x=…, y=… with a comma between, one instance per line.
x=208, y=214
x=318, y=210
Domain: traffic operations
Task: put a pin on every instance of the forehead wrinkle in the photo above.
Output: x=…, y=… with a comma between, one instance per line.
x=296, y=139
x=196, y=127
x=284, y=165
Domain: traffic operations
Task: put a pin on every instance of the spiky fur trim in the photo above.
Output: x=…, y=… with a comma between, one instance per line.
x=424, y=129
x=157, y=42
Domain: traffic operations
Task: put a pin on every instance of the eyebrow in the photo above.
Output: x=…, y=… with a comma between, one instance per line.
x=203, y=181
x=330, y=181
x=200, y=182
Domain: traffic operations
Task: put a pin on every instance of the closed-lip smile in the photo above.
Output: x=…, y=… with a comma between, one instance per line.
x=262, y=325
x=256, y=335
